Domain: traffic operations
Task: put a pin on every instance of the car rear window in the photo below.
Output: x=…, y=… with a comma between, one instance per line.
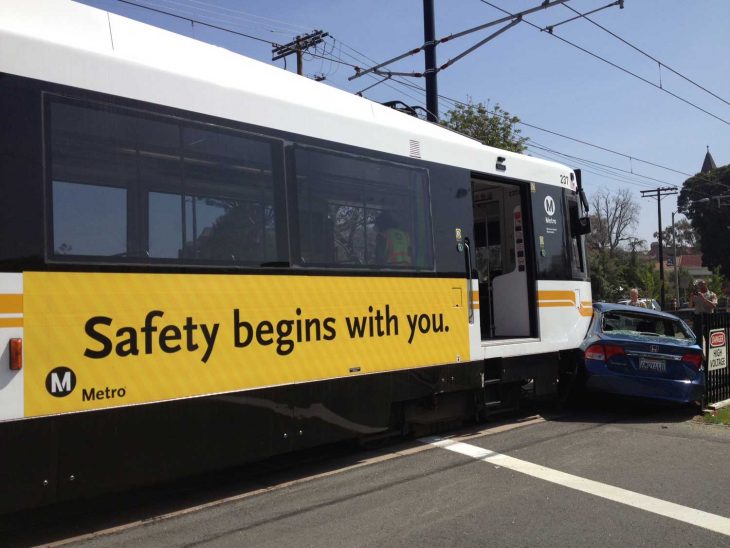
x=631, y=323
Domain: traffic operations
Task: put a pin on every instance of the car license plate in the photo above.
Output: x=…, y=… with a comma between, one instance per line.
x=657, y=366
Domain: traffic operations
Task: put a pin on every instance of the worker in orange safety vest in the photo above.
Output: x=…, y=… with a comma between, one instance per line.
x=392, y=244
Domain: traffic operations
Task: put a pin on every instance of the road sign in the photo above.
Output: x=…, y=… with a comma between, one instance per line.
x=717, y=354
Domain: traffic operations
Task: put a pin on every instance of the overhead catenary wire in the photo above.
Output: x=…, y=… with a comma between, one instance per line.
x=642, y=52
x=227, y=15
x=609, y=172
x=564, y=136
x=217, y=27
x=516, y=18
x=339, y=60
x=600, y=166
x=602, y=175
x=411, y=85
x=616, y=66
x=579, y=159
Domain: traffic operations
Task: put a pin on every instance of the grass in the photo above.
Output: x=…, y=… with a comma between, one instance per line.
x=721, y=416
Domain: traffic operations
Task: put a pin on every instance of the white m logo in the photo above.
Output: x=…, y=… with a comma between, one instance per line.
x=60, y=382
x=62, y=385
x=549, y=205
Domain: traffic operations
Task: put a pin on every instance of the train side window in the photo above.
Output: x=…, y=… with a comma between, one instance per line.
x=170, y=190
x=229, y=197
x=79, y=212
x=576, y=248
x=165, y=216
x=345, y=201
x=93, y=172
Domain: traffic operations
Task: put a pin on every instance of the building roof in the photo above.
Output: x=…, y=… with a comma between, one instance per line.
x=709, y=163
x=689, y=261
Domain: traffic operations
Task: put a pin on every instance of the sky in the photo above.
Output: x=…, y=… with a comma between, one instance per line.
x=530, y=73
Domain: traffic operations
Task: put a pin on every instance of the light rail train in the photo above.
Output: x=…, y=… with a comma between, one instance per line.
x=197, y=265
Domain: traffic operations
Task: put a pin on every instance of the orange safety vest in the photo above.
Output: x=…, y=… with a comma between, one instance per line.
x=397, y=244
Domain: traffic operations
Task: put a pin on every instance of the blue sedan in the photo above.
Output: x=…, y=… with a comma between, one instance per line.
x=643, y=353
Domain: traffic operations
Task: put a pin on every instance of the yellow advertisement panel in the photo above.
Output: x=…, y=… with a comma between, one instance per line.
x=96, y=340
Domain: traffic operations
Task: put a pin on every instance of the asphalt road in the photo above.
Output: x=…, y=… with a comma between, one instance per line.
x=608, y=474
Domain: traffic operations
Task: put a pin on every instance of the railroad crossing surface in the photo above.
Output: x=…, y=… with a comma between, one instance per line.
x=604, y=476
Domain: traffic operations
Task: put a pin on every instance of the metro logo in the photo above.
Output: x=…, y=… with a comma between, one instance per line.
x=60, y=382
x=717, y=339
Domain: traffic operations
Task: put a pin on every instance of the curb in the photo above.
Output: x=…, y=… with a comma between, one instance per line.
x=717, y=405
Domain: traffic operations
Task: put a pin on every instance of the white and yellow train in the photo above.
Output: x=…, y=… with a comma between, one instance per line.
x=192, y=271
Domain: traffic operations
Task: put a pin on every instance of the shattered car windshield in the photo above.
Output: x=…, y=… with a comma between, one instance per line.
x=630, y=323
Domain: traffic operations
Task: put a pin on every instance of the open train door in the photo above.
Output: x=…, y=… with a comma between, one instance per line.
x=502, y=254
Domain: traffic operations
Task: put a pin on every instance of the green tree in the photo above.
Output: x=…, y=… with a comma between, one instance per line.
x=632, y=270
x=710, y=216
x=495, y=128
x=686, y=236
x=612, y=275
x=716, y=283
x=608, y=282
x=650, y=281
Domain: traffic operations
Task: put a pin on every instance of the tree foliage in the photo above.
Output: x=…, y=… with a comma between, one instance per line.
x=717, y=281
x=613, y=257
x=711, y=218
x=495, y=128
x=613, y=275
x=614, y=215
x=686, y=236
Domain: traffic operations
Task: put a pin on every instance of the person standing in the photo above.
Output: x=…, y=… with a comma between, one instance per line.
x=703, y=301
x=634, y=298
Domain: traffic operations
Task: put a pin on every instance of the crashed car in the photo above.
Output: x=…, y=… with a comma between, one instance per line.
x=642, y=353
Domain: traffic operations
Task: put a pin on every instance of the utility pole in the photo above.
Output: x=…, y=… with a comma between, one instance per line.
x=430, y=43
x=429, y=50
x=298, y=46
x=676, y=272
x=657, y=193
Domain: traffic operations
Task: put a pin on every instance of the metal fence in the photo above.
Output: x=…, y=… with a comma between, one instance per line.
x=715, y=332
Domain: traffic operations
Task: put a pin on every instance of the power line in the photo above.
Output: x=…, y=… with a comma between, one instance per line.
x=607, y=173
x=511, y=20
x=641, y=51
x=563, y=136
x=163, y=12
x=600, y=165
x=298, y=46
x=531, y=142
x=627, y=71
x=583, y=142
x=411, y=85
x=227, y=15
x=631, y=158
x=603, y=174
x=454, y=101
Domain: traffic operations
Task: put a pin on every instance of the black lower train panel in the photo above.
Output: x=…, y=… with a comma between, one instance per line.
x=79, y=455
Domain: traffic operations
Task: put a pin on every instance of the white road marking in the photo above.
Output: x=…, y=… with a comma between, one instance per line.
x=713, y=522
x=374, y=457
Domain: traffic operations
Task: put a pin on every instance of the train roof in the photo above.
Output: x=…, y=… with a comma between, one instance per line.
x=76, y=45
